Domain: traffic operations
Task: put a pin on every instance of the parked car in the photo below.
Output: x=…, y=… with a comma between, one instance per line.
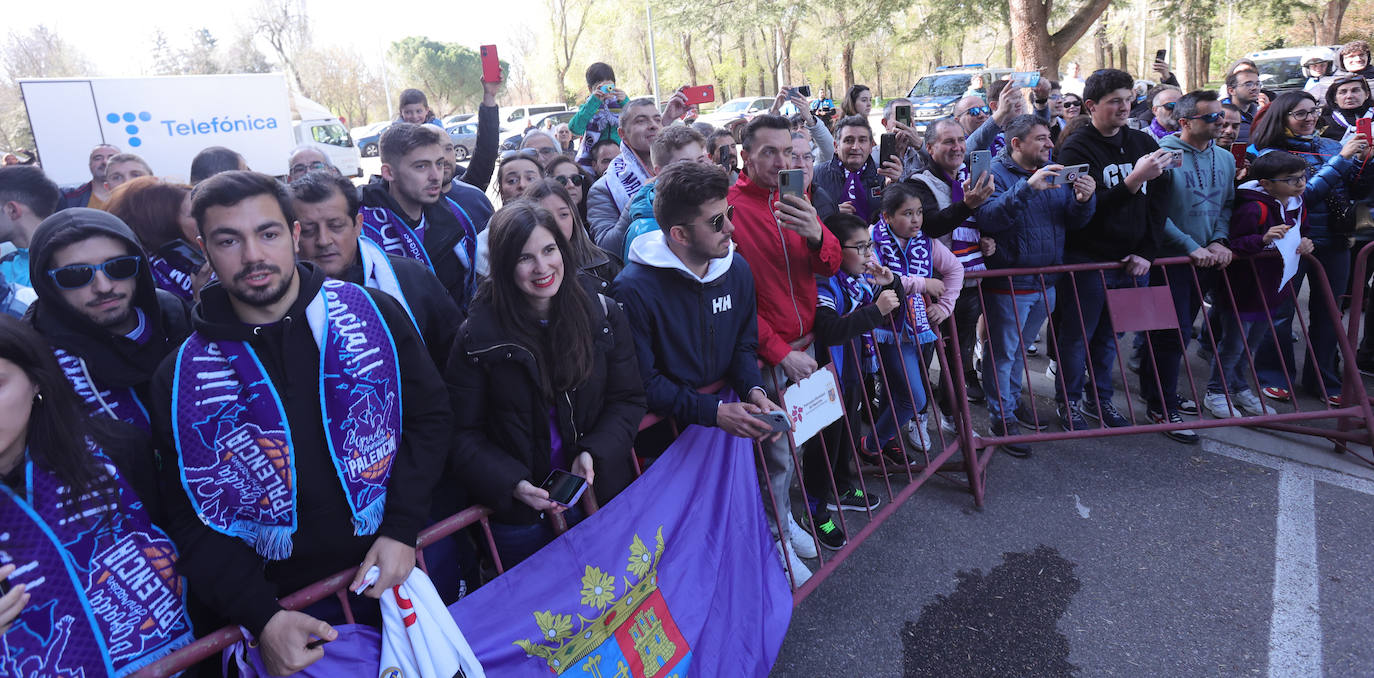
x=455, y=119
x=369, y=138
x=736, y=109
x=333, y=139
x=511, y=116
x=934, y=95
x=1280, y=70
x=464, y=135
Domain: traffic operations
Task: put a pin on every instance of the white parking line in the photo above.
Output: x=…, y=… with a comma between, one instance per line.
x=1295, y=631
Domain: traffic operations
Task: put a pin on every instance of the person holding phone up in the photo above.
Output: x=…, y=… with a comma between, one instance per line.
x=543, y=376
x=821, y=139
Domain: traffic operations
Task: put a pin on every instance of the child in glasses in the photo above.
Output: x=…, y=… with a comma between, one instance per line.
x=1268, y=208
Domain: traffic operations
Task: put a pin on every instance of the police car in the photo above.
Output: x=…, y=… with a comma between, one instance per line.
x=934, y=95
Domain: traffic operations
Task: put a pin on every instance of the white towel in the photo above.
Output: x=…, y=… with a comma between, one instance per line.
x=420, y=638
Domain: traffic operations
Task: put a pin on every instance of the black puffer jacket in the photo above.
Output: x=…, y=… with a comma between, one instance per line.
x=501, y=422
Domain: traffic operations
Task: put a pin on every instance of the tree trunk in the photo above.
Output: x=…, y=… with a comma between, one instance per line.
x=1122, y=55
x=1036, y=48
x=1329, y=22
x=687, y=56
x=1102, y=48
x=878, y=73
x=743, y=64
x=847, y=64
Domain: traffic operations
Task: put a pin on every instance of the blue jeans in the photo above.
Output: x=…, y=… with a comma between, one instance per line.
x=1085, y=330
x=907, y=390
x=1230, y=360
x=1334, y=258
x=1013, y=320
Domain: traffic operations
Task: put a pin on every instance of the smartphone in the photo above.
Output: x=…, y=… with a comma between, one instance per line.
x=804, y=90
x=1175, y=159
x=1238, y=151
x=1362, y=126
x=699, y=95
x=491, y=65
x=776, y=420
x=792, y=182
x=564, y=488
x=978, y=162
x=182, y=256
x=1025, y=79
x=887, y=147
x=902, y=114
x=1070, y=174
x=1160, y=54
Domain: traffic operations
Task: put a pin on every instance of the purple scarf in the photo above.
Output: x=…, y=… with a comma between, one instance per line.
x=106, y=596
x=121, y=404
x=854, y=189
x=853, y=293
x=398, y=239
x=964, y=240
x=235, y=442
x=912, y=259
x=170, y=278
x=1157, y=130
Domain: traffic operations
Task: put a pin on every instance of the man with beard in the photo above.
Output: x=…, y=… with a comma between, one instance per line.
x=292, y=428
x=408, y=214
x=93, y=193
x=108, y=323
x=326, y=207
x=1230, y=126
x=1164, y=100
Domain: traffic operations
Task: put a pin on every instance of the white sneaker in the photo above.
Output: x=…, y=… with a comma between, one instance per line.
x=801, y=539
x=1250, y=404
x=947, y=425
x=1052, y=372
x=800, y=572
x=918, y=432
x=1217, y=405
x=978, y=357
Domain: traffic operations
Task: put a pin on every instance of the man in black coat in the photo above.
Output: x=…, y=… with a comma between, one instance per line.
x=262, y=307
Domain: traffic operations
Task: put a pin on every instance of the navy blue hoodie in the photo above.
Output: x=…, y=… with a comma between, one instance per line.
x=690, y=331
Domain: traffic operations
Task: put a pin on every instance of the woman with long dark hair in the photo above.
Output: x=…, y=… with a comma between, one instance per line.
x=159, y=212
x=593, y=264
x=111, y=600
x=1334, y=180
x=857, y=101
x=545, y=378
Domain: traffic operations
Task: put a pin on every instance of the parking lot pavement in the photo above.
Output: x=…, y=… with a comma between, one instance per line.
x=1131, y=556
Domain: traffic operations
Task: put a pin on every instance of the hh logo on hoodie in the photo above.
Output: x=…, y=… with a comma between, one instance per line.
x=1115, y=174
x=720, y=304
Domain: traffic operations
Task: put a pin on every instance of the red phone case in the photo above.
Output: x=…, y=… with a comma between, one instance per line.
x=699, y=95
x=1238, y=150
x=1362, y=126
x=491, y=64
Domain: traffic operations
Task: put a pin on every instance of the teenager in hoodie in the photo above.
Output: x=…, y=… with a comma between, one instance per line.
x=1335, y=179
x=408, y=214
x=108, y=323
x=1267, y=208
x=1127, y=227
x=326, y=210
x=1199, y=217
x=304, y=445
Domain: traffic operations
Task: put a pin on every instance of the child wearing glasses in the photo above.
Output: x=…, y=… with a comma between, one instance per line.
x=1268, y=209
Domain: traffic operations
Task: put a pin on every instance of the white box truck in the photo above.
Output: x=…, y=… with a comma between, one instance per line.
x=167, y=120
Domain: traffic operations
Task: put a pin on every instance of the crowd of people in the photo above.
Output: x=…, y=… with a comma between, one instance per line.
x=277, y=378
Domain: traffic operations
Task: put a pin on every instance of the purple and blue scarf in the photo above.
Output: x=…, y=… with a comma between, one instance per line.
x=964, y=240
x=121, y=404
x=846, y=294
x=397, y=238
x=914, y=259
x=172, y=279
x=854, y=189
x=107, y=600
x=235, y=442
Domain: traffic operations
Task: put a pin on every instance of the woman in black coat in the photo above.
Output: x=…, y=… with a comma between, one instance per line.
x=543, y=376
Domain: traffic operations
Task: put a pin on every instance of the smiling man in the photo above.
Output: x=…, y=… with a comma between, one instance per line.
x=273, y=378
x=408, y=214
x=852, y=176
x=640, y=123
x=326, y=207
x=108, y=323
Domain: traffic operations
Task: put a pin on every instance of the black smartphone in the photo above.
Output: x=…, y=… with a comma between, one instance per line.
x=1160, y=54
x=804, y=90
x=564, y=488
x=902, y=114
x=792, y=182
x=181, y=255
x=887, y=147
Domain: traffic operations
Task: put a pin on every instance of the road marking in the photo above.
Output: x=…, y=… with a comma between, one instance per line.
x=1295, y=636
x=1319, y=474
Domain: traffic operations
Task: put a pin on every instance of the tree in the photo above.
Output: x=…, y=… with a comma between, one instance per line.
x=343, y=82
x=200, y=57
x=567, y=20
x=164, y=57
x=1326, y=24
x=39, y=53
x=1036, y=47
x=449, y=74
x=243, y=56
x=284, y=26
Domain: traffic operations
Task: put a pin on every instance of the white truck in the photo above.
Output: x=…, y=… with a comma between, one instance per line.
x=167, y=120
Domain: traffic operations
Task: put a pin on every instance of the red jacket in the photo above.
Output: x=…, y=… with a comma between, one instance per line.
x=784, y=266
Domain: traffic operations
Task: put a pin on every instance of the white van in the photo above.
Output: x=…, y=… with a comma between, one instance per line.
x=331, y=137
x=510, y=115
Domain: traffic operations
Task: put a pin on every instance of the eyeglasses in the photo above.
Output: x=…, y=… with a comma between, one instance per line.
x=978, y=110
x=1306, y=114
x=80, y=275
x=298, y=170
x=1210, y=118
x=861, y=248
x=1249, y=84
x=717, y=223
x=1056, y=97
x=1295, y=182
x=802, y=159
x=574, y=179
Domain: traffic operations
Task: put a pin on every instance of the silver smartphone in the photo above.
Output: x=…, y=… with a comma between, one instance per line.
x=978, y=162
x=1070, y=174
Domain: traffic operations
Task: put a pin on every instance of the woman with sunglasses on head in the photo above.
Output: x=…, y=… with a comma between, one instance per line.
x=548, y=380
x=574, y=180
x=1334, y=181
x=593, y=264
x=77, y=533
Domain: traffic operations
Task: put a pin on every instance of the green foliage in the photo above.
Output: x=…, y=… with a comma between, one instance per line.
x=449, y=74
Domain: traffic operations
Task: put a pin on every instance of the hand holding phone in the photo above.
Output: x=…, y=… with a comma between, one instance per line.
x=790, y=182
x=902, y=114
x=564, y=488
x=776, y=420
x=1025, y=79
x=978, y=163
x=699, y=94
x=887, y=147
x=491, y=64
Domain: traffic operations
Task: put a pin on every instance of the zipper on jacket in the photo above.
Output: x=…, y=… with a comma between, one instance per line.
x=787, y=267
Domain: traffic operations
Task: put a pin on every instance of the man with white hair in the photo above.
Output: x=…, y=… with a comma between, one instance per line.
x=306, y=158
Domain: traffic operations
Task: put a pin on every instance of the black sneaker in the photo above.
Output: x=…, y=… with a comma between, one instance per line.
x=1182, y=435
x=1185, y=405
x=1109, y=416
x=856, y=500
x=1009, y=428
x=1070, y=419
x=1028, y=417
x=892, y=451
x=973, y=387
x=830, y=535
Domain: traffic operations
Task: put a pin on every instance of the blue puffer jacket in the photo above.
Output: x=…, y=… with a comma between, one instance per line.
x=641, y=217
x=1328, y=178
x=1028, y=224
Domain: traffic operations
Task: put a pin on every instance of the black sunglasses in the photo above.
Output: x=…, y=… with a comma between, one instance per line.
x=717, y=223
x=1209, y=118
x=574, y=179
x=978, y=110
x=81, y=275
x=1072, y=103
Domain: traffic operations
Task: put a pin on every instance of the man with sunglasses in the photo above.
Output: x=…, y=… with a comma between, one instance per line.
x=1165, y=121
x=1198, y=220
x=971, y=111
x=108, y=323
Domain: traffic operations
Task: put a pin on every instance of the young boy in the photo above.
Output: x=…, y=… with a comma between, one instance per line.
x=599, y=115
x=849, y=306
x=1267, y=209
x=901, y=246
